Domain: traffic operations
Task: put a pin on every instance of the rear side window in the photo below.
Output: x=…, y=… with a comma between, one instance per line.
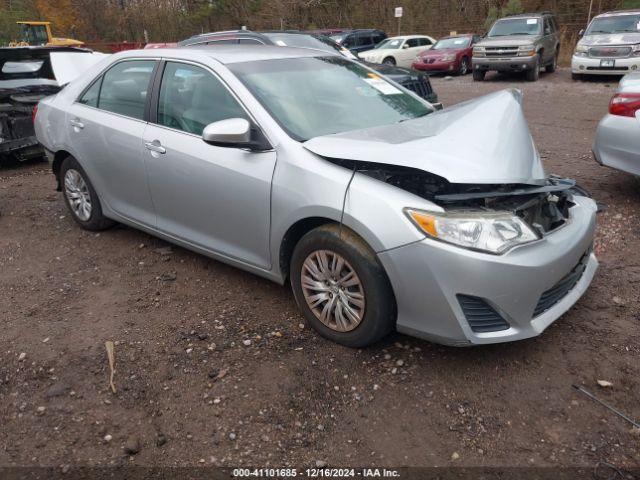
x=378, y=37
x=124, y=88
x=90, y=97
x=413, y=42
x=423, y=42
x=363, y=39
x=191, y=98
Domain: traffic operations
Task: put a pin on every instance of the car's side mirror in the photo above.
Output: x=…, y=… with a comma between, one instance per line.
x=406, y=45
x=581, y=33
x=235, y=133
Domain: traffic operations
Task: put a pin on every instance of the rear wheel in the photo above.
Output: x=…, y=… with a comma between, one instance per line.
x=534, y=74
x=341, y=287
x=464, y=66
x=478, y=75
x=81, y=198
x=389, y=61
x=553, y=65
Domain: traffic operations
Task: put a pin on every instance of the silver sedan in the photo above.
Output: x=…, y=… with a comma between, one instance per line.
x=304, y=167
x=617, y=142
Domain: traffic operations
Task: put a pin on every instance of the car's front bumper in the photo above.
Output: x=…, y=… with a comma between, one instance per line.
x=436, y=67
x=595, y=66
x=428, y=276
x=617, y=143
x=507, y=64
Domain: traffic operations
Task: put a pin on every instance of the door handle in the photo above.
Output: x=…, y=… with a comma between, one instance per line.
x=155, y=146
x=76, y=123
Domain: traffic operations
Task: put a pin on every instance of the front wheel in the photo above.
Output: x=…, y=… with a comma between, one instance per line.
x=341, y=287
x=464, y=66
x=478, y=75
x=534, y=74
x=389, y=61
x=81, y=198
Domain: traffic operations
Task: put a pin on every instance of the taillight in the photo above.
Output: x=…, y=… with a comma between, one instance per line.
x=625, y=104
x=35, y=112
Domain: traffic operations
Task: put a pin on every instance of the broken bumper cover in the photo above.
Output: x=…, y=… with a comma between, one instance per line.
x=429, y=278
x=27, y=145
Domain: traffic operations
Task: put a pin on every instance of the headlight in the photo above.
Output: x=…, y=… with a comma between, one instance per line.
x=581, y=51
x=488, y=232
x=478, y=51
x=526, y=50
x=636, y=50
x=448, y=57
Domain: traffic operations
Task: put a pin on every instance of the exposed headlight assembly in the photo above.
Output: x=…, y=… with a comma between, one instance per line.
x=487, y=232
x=478, y=52
x=449, y=57
x=636, y=50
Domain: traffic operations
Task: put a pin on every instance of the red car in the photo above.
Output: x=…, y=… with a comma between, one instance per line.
x=449, y=55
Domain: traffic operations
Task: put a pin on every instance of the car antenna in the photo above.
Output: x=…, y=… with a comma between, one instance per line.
x=344, y=199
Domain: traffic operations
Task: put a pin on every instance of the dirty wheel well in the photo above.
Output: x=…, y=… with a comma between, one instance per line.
x=58, y=158
x=293, y=235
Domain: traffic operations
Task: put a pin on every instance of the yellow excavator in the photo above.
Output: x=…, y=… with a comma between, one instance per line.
x=39, y=34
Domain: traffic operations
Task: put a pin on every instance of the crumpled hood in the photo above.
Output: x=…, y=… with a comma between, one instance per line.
x=485, y=141
x=630, y=38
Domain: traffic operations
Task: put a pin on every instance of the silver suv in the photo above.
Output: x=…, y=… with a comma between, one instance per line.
x=525, y=42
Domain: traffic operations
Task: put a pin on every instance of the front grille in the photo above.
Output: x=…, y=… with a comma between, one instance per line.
x=480, y=315
x=618, y=69
x=421, y=86
x=501, y=51
x=609, y=52
x=556, y=293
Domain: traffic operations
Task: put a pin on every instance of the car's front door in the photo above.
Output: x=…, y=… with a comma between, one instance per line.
x=212, y=197
x=106, y=125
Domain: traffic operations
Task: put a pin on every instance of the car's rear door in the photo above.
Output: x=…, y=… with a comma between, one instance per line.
x=105, y=127
x=214, y=198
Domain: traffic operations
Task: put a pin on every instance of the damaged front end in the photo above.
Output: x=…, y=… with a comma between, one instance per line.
x=540, y=209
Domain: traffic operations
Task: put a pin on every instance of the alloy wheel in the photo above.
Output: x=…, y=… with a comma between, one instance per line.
x=77, y=192
x=333, y=291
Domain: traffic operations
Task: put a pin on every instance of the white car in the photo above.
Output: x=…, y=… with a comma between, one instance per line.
x=400, y=51
x=617, y=142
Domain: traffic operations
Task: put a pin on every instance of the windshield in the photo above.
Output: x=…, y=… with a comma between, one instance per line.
x=315, y=96
x=390, y=44
x=317, y=42
x=515, y=26
x=459, y=42
x=615, y=24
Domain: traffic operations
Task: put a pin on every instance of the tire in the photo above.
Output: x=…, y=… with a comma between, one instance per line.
x=553, y=65
x=478, y=75
x=77, y=188
x=464, y=66
x=534, y=74
x=389, y=61
x=372, y=317
x=576, y=76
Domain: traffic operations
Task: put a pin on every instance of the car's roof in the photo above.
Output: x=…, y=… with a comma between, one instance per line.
x=406, y=37
x=619, y=12
x=227, y=54
x=527, y=15
x=459, y=35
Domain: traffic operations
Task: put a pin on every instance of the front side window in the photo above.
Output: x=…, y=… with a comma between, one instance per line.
x=316, y=96
x=191, y=98
x=125, y=86
x=516, y=26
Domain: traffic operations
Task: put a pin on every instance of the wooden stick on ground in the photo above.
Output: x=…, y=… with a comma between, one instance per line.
x=111, y=354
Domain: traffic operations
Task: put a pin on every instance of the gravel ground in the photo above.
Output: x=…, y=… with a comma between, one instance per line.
x=214, y=366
